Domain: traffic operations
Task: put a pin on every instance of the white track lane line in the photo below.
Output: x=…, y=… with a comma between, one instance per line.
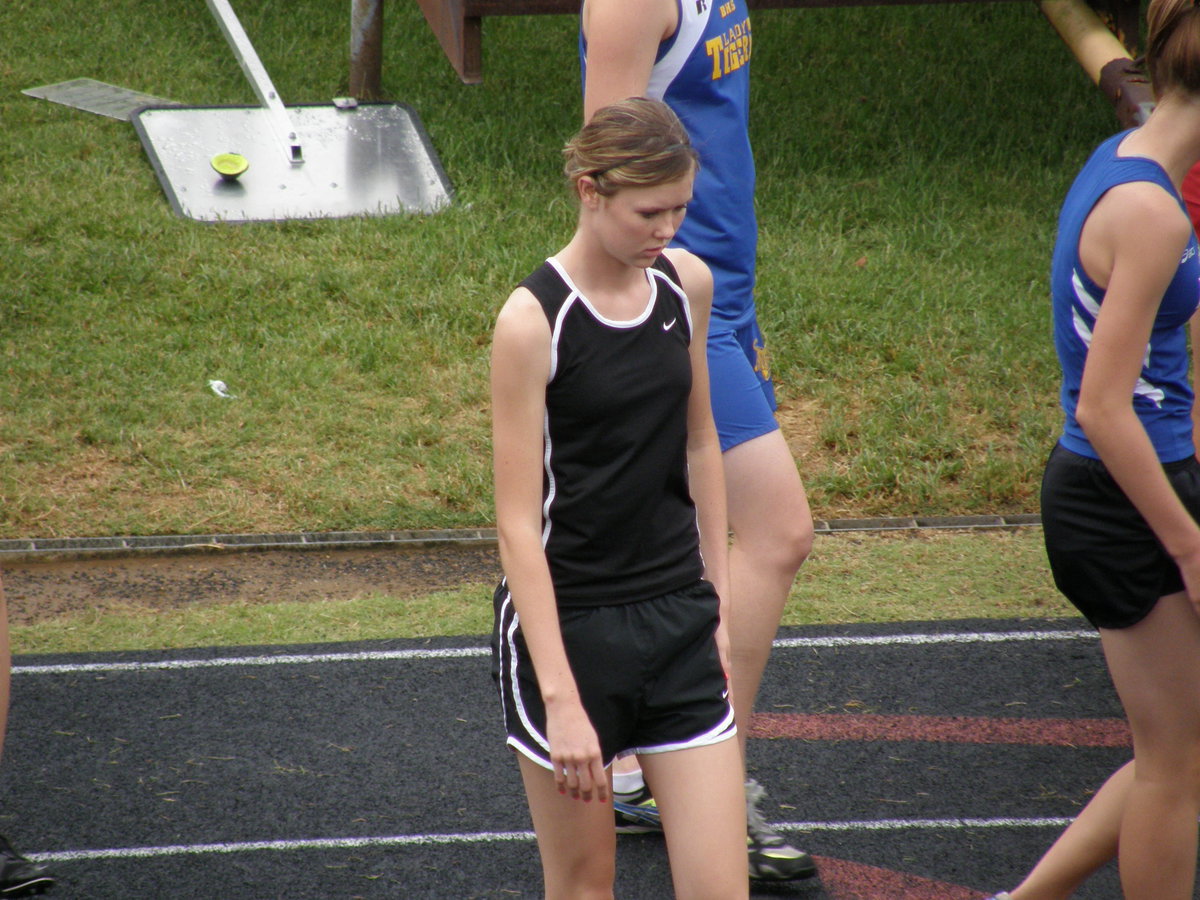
x=969, y=637
x=884, y=640
x=502, y=836
x=484, y=837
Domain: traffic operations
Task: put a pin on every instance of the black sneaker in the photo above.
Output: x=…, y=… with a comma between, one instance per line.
x=771, y=857
x=638, y=814
x=20, y=877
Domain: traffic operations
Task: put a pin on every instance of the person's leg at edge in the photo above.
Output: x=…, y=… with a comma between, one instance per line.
x=1147, y=811
x=5, y=668
x=1088, y=843
x=1156, y=670
x=634, y=806
x=576, y=841
x=772, y=534
x=772, y=531
x=18, y=876
x=705, y=829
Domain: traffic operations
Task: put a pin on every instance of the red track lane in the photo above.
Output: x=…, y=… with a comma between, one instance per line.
x=942, y=729
x=845, y=880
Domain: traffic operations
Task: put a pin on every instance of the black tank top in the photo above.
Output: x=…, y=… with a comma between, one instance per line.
x=619, y=524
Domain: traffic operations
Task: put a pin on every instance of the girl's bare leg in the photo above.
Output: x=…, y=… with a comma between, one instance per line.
x=575, y=838
x=1146, y=813
x=772, y=535
x=703, y=805
x=1087, y=844
x=1156, y=669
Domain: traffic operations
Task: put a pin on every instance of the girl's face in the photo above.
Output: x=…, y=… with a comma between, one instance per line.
x=636, y=224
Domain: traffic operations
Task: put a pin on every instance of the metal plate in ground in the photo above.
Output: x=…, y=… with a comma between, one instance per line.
x=97, y=97
x=369, y=160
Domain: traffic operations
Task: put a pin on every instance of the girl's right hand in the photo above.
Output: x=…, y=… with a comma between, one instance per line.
x=575, y=752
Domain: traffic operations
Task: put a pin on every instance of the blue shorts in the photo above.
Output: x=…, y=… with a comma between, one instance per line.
x=739, y=374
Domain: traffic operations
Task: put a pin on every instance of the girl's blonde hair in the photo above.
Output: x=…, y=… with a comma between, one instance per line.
x=1173, y=46
x=633, y=143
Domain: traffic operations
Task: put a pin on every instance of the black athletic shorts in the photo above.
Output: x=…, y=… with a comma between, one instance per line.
x=1104, y=557
x=648, y=674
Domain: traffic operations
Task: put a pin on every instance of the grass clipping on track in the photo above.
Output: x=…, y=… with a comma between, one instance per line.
x=856, y=577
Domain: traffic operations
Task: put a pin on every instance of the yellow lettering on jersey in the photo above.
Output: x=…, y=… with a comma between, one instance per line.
x=713, y=49
x=727, y=8
x=730, y=51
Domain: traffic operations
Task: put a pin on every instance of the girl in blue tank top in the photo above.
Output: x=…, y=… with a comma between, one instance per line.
x=1121, y=490
x=1162, y=395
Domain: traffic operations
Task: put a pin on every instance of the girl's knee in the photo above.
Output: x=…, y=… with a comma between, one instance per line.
x=582, y=881
x=783, y=544
x=801, y=542
x=578, y=869
x=1175, y=773
x=715, y=889
x=789, y=545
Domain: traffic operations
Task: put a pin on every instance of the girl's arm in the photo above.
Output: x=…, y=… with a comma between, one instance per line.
x=1134, y=239
x=520, y=368
x=1194, y=334
x=622, y=41
x=706, y=479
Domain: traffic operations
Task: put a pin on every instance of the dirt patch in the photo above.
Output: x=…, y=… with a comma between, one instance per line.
x=38, y=591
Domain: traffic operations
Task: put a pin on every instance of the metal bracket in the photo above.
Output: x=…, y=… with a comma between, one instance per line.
x=281, y=123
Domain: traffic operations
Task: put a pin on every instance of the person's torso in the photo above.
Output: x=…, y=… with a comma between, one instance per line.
x=1163, y=396
x=619, y=523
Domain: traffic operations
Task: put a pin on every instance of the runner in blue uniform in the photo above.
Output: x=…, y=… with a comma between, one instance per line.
x=695, y=56
x=610, y=509
x=1121, y=490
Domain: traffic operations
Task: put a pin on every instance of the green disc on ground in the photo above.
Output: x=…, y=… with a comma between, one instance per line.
x=229, y=165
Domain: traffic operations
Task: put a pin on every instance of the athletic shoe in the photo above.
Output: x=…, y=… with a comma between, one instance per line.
x=638, y=814
x=1000, y=896
x=771, y=857
x=20, y=877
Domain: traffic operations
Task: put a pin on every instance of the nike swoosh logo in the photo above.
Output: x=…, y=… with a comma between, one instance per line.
x=667, y=326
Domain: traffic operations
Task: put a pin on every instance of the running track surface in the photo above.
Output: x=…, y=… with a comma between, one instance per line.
x=929, y=761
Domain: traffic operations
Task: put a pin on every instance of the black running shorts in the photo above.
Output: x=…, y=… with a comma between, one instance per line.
x=648, y=674
x=1104, y=557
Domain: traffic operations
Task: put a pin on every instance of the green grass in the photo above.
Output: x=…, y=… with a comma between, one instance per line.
x=911, y=163
x=227, y=624
x=849, y=578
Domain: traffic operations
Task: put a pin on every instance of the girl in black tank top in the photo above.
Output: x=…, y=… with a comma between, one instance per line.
x=609, y=493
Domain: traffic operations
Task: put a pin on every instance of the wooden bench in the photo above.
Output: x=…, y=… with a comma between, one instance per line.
x=458, y=26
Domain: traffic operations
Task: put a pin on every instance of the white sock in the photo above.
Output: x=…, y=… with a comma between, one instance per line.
x=628, y=783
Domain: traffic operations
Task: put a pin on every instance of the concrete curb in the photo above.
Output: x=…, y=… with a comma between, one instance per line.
x=35, y=549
